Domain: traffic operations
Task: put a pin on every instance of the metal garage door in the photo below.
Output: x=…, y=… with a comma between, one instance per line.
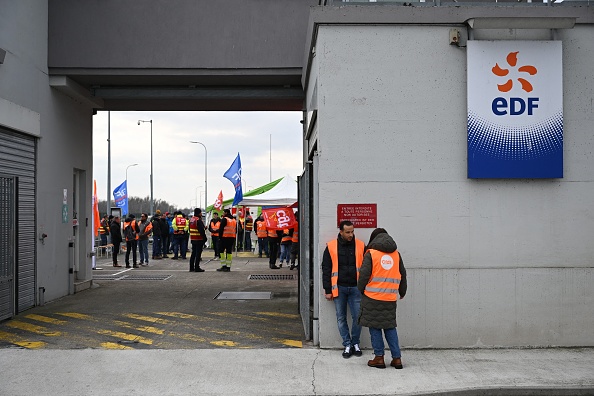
x=17, y=218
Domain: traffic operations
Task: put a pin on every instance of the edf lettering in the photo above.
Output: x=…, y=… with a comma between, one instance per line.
x=517, y=106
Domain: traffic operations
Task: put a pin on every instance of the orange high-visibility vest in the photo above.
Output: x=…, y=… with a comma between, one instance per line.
x=272, y=233
x=261, y=229
x=249, y=224
x=286, y=236
x=296, y=233
x=385, y=276
x=230, y=230
x=215, y=228
x=333, y=250
x=104, y=229
x=194, y=233
x=149, y=228
x=131, y=224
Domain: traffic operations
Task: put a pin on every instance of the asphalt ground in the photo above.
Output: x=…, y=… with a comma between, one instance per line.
x=164, y=306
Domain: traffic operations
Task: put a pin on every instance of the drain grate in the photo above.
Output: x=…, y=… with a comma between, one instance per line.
x=132, y=277
x=243, y=296
x=271, y=277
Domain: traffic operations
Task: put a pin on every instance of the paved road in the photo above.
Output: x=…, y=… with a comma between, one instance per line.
x=164, y=306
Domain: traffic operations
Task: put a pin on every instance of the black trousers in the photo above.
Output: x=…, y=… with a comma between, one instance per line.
x=215, y=246
x=273, y=247
x=131, y=245
x=196, y=255
x=115, y=251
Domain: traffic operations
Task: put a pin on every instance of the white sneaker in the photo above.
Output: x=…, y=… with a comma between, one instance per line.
x=348, y=352
x=357, y=351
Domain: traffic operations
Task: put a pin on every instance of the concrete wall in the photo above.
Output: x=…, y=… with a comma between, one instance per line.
x=64, y=130
x=490, y=262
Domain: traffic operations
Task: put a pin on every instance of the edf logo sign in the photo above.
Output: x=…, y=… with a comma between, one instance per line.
x=515, y=109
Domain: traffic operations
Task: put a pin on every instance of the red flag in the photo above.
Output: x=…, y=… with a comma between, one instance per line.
x=218, y=205
x=279, y=218
x=96, y=218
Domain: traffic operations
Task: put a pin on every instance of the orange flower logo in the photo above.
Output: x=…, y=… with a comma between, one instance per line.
x=512, y=60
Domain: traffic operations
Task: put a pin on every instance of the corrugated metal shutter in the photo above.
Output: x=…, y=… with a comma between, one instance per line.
x=7, y=246
x=17, y=159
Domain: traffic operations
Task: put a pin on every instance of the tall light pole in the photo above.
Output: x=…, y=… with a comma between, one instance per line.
x=205, y=173
x=151, y=121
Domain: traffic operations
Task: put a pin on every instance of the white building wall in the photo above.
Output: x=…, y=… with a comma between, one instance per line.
x=490, y=262
x=64, y=128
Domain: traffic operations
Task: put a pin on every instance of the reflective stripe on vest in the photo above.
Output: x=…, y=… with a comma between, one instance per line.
x=180, y=225
x=230, y=230
x=286, y=237
x=249, y=224
x=296, y=233
x=333, y=250
x=215, y=228
x=272, y=234
x=261, y=229
x=385, y=276
x=194, y=233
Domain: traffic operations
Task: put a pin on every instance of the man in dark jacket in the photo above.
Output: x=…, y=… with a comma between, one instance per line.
x=165, y=235
x=116, y=239
x=382, y=280
x=156, y=222
x=341, y=261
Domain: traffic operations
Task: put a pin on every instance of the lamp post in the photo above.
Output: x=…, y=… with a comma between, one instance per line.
x=127, y=179
x=151, y=121
x=205, y=173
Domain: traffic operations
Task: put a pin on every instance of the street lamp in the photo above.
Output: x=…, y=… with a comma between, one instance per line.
x=151, y=121
x=205, y=172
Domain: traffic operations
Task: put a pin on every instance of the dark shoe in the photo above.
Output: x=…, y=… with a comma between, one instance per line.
x=377, y=362
x=348, y=352
x=173, y=258
x=198, y=270
x=165, y=256
x=292, y=267
x=184, y=258
x=222, y=269
x=357, y=351
x=135, y=266
x=157, y=258
x=259, y=256
x=128, y=266
x=396, y=363
x=227, y=269
x=274, y=267
x=116, y=265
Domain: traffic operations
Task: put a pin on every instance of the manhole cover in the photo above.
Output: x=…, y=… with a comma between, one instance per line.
x=244, y=296
x=271, y=277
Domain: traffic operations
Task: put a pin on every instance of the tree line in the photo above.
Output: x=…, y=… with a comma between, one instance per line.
x=137, y=205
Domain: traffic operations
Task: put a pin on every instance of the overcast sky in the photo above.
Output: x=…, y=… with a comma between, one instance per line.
x=178, y=165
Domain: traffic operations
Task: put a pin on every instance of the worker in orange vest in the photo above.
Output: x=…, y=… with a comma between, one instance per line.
x=145, y=231
x=285, y=246
x=229, y=229
x=382, y=280
x=262, y=235
x=340, y=270
x=214, y=228
x=131, y=231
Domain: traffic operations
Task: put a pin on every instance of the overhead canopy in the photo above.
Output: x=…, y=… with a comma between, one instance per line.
x=283, y=194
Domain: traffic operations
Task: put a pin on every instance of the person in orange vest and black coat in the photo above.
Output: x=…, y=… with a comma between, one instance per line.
x=382, y=281
x=214, y=228
x=131, y=231
x=340, y=270
x=197, y=239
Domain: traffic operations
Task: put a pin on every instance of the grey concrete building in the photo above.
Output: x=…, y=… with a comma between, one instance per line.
x=383, y=89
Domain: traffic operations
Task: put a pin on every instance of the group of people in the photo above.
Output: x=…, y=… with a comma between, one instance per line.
x=368, y=280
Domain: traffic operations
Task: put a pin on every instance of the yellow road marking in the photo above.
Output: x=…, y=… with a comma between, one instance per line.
x=224, y=343
x=178, y=315
x=17, y=324
x=278, y=315
x=20, y=342
x=126, y=336
x=147, y=329
x=76, y=315
x=114, y=345
x=292, y=343
x=188, y=337
x=239, y=316
x=148, y=318
x=45, y=319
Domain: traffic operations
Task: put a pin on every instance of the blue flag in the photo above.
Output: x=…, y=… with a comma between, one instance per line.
x=120, y=195
x=234, y=176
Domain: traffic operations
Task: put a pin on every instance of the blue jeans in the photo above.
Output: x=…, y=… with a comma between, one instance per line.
x=285, y=255
x=377, y=341
x=143, y=247
x=352, y=297
x=156, y=245
x=180, y=244
x=262, y=246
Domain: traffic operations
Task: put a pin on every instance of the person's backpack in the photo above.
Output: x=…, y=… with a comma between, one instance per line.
x=130, y=231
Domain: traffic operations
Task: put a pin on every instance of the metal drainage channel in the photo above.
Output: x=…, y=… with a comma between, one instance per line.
x=132, y=277
x=243, y=296
x=271, y=277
